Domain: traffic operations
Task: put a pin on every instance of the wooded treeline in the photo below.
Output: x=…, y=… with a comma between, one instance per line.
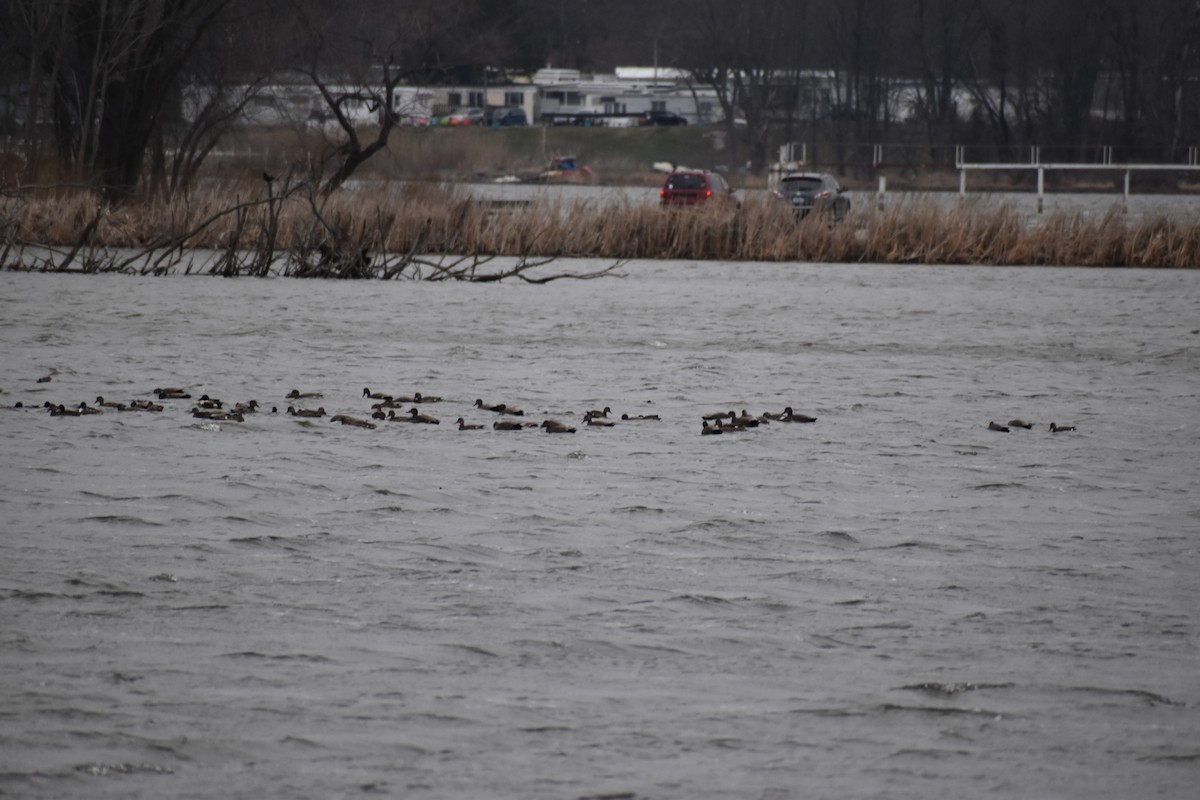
x=98, y=86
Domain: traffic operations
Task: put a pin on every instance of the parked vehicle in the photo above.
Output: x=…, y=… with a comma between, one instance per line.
x=694, y=187
x=663, y=118
x=587, y=118
x=472, y=115
x=806, y=192
x=508, y=117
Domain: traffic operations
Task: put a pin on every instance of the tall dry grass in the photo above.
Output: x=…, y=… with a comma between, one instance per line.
x=436, y=218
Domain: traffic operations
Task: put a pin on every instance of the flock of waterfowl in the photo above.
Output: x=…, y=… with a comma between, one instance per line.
x=1020, y=423
x=384, y=408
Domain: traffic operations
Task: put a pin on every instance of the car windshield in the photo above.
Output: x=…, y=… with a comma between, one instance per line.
x=686, y=182
x=802, y=184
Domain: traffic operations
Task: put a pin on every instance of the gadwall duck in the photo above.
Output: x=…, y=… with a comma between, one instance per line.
x=465, y=426
x=306, y=412
x=554, y=426
x=747, y=421
x=708, y=430
x=217, y=415
x=1020, y=423
x=296, y=394
x=373, y=395
x=61, y=410
x=1060, y=428
x=102, y=403
x=172, y=394
x=996, y=426
x=599, y=412
x=416, y=416
x=507, y=425
x=791, y=416
x=637, y=417
x=425, y=398
x=500, y=408
x=597, y=422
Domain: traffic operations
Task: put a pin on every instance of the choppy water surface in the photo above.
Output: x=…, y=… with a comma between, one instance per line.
x=891, y=602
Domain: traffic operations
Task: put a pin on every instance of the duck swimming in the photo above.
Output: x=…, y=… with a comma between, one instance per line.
x=464, y=426
x=306, y=412
x=500, y=408
x=554, y=426
x=996, y=426
x=1061, y=428
x=421, y=398
x=296, y=394
x=417, y=416
x=1020, y=423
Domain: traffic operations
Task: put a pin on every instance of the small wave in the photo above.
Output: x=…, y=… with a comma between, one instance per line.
x=703, y=599
x=121, y=519
x=472, y=649
x=34, y=595
x=306, y=657
x=1173, y=757
x=126, y=768
x=102, y=496
x=942, y=711
x=101, y=587
x=1149, y=698
x=909, y=544
x=951, y=689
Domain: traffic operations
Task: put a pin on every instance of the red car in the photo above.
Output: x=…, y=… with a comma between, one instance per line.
x=693, y=187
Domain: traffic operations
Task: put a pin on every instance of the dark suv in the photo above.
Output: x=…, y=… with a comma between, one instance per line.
x=806, y=192
x=693, y=187
x=659, y=117
x=508, y=117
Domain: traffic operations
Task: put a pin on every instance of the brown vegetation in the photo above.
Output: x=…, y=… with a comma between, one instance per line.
x=287, y=228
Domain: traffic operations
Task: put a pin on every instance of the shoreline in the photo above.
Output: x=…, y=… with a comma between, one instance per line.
x=258, y=231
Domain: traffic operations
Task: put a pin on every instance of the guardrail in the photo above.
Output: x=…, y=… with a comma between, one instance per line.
x=1106, y=165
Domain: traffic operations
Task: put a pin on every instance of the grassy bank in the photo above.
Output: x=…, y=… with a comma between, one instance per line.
x=349, y=236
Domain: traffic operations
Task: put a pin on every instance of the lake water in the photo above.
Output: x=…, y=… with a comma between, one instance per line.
x=891, y=602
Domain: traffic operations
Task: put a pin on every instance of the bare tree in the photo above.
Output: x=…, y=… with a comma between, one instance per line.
x=743, y=51
x=115, y=68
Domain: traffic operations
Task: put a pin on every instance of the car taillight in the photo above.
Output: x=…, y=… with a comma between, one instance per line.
x=662, y=192
x=823, y=195
x=708, y=193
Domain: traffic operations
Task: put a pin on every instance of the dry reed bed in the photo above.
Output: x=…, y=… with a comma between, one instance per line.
x=435, y=219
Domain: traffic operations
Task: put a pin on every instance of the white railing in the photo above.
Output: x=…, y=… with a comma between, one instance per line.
x=1107, y=165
